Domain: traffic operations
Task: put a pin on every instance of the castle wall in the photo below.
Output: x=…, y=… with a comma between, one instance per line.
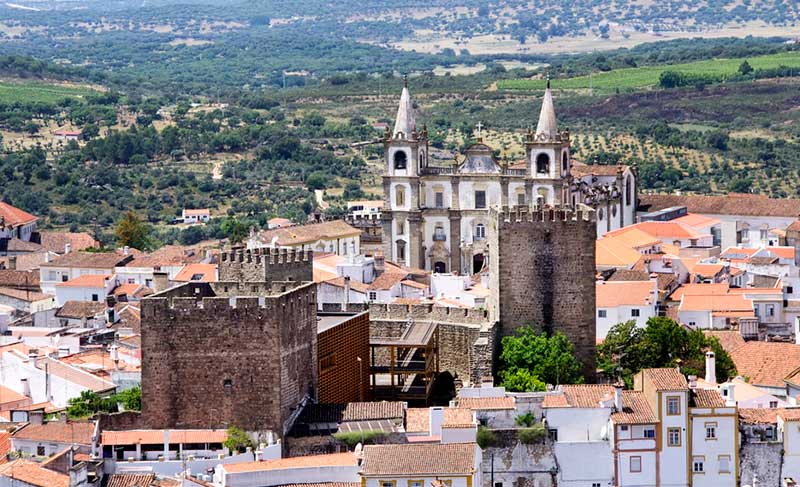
x=543, y=268
x=466, y=336
x=266, y=265
x=219, y=361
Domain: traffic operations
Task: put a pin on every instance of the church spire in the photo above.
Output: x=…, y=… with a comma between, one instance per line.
x=548, y=126
x=405, y=122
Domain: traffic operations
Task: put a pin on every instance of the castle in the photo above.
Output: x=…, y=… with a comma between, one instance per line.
x=238, y=352
x=436, y=217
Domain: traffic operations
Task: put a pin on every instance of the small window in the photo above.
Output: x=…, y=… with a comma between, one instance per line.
x=724, y=463
x=763, y=234
x=649, y=433
x=480, y=231
x=770, y=310
x=693, y=324
x=636, y=464
x=673, y=406
x=498, y=484
x=601, y=313
x=40, y=452
x=227, y=386
x=400, y=196
x=673, y=437
x=327, y=362
x=373, y=295
x=600, y=214
x=520, y=199
x=769, y=433
x=438, y=234
x=711, y=431
x=400, y=160
x=553, y=434
x=789, y=290
x=698, y=465
x=416, y=483
x=635, y=312
x=595, y=484
x=388, y=483
x=480, y=199
x=95, y=297
x=64, y=278
x=624, y=427
x=773, y=404
x=401, y=250
x=439, y=198
x=564, y=164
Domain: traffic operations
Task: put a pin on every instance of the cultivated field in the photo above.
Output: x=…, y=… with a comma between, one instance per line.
x=33, y=91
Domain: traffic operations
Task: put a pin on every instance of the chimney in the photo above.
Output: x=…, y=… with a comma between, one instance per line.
x=36, y=417
x=126, y=250
x=618, y=395
x=728, y=394
x=160, y=281
x=62, y=416
x=692, y=382
x=33, y=357
x=12, y=262
x=711, y=368
x=346, y=299
x=380, y=263
x=789, y=482
x=67, y=248
x=47, y=257
x=436, y=420
x=26, y=387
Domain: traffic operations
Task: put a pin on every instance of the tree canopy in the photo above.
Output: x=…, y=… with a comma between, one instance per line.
x=132, y=232
x=529, y=360
x=628, y=349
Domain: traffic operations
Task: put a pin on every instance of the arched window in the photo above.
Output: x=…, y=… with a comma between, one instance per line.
x=628, y=191
x=400, y=160
x=480, y=231
x=400, y=196
x=564, y=165
x=440, y=267
x=542, y=164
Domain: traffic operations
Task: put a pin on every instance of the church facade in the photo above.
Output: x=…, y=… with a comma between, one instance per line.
x=437, y=217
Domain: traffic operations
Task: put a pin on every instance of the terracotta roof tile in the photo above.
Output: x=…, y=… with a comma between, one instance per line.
x=87, y=280
x=90, y=260
x=387, y=280
x=156, y=437
x=81, y=309
x=131, y=480
x=581, y=169
x=758, y=415
x=57, y=241
x=23, y=295
x=331, y=460
x=635, y=410
x=78, y=432
x=419, y=459
x=666, y=379
x=581, y=396
x=14, y=245
x=354, y=285
x=367, y=411
x=611, y=294
x=14, y=217
x=300, y=234
x=458, y=418
x=26, y=262
x=766, y=363
x=731, y=204
x=729, y=339
x=707, y=398
x=718, y=303
x=19, y=279
x=487, y=403
x=32, y=473
x=611, y=252
x=197, y=273
x=5, y=446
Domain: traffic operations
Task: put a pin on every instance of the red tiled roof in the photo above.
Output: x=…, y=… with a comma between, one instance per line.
x=729, y=339
x=57, y=241
x=131, y=480
x=766, y=363
x=87, y=280
x=81, y=309
x=731, y=204
x=367, y=411
x=419, y=459
x=487, y=403
x=635, y=410
x=611, y=294
x=5, y=446
x=707, y=398
x=14, y=217
x=666, y=379
x=90, y=260
x=32, y=473
x=23, y=295
x=19, y=279
x=300, y=234
x=71, y=432
x=580, y=396
x=207, y=273
x=331, y=460
x=156, y=437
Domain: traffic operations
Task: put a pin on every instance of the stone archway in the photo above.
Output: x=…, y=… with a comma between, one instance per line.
x=439, y=267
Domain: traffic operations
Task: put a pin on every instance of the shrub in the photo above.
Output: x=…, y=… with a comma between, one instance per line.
x=353, y=438
x=534, y=434
x=485, y=438
x=527, y=419
x=238, y=440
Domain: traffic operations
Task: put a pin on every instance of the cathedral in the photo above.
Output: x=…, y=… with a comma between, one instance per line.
x=436, y=217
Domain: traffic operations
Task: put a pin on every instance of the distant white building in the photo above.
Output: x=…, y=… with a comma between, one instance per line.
x=621, y=301
x=200, y=215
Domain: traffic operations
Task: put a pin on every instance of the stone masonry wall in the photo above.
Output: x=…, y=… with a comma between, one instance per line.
x=266, y=265
x=220, y=361
x=465, y=336
x=542, y=266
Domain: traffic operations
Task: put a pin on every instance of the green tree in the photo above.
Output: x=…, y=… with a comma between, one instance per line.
x=316, y=180
x=628, y=349
x=234, y=229
x=237, y=440
x=745, y=68
x=530, y=359
x=132, y=232
x=131, y=399
x=352, y=191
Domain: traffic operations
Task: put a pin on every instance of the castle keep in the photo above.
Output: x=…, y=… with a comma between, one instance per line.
x=542, y=268
x=241, y=351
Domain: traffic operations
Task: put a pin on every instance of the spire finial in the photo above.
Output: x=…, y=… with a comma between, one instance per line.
x=547, y=75
x=405, y=81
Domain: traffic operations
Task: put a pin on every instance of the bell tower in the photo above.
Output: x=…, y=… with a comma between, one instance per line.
x=548, y=157
x=406, y=155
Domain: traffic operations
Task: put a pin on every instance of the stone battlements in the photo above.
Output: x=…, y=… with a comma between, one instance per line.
x=269, y=256
x=428, y=312
x=582, y=213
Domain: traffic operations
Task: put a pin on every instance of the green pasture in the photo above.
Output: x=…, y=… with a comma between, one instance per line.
x=11, y=92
